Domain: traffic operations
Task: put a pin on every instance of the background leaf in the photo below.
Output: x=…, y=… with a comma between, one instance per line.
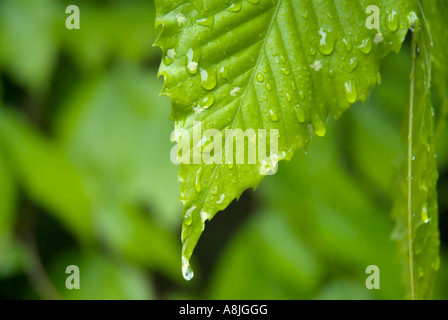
x=416, y=208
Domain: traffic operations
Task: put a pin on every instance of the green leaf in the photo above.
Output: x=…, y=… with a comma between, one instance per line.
x=416, y=208
x=27, y=26
x=266, y=248
x=262, y=64
x=117, y=181
x=91, y=138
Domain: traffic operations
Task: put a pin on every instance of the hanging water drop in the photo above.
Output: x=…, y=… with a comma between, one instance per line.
x=260, y=77
x=350, y=92
x=392, y=20
x=319, y=127
x=187, y=272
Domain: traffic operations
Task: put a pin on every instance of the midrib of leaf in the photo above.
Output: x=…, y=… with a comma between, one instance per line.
x=245, y=92
x=409, y=175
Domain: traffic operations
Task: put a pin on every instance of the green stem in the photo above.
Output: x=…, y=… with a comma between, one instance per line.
x=409, y=173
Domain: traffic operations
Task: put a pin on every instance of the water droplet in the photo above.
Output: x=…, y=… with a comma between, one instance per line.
x=425, y=216
x=273, y=115
x=208, y=101
x=347, y=44
x=221, y=199
x=197, y=182
x=300, y=114
x=319, y=126
x=234, y=91
x=288, y=97
x=378, y=38
x=350, y=92
x=167, y=60
x=192, y=66
x=304, y=14
x=413, y=21
x=326, y=44
x=260, y=77
x=268, y=87
x=214, y=190
x=285, y=71
x=353, y=64
x=392, y=20
x=235, y=7
x=170, y=55
x=208, y=79
x=180, y=19
x=187, y=272
x=421, y=273
x=188, y=218
x=207, y=22
x=378, y=77
x=316, y=66
x=365, y=46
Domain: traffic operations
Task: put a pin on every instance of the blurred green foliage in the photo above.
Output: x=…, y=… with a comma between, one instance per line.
x=86, y=179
